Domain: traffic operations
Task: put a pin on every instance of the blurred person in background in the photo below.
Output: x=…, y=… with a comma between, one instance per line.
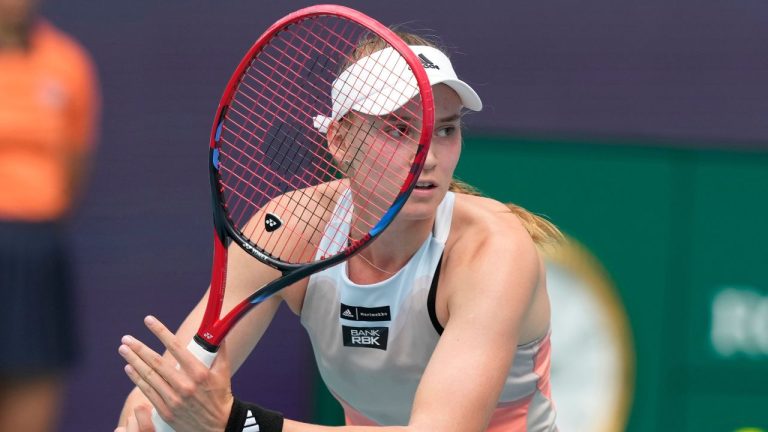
x=48, y=109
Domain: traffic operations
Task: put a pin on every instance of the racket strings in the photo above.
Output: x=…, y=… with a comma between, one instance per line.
x=347, y=212
x=305, y=177
x=283, y=208
x=268, y=183
x=272, y=156
x=380, y=209
x=309, y=225
x=364, y=134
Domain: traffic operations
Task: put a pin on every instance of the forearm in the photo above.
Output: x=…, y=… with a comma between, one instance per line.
x=185, y=333
x=245, y=416
x=294, y=426
x=243, y=337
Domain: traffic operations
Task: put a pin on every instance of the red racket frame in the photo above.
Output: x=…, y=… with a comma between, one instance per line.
x=212, y=328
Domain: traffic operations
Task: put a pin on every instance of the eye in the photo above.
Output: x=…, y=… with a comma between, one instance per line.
x=398, y=131
x=445, y=131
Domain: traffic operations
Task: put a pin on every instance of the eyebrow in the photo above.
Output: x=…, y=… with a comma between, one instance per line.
x=395, y=118
x=449, y=119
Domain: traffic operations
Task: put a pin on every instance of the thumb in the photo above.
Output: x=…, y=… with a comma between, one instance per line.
x=143, y=419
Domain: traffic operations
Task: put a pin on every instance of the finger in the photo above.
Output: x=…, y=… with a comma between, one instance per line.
x=144, y=418
x=160, y=403
x=186, y=359
x=153, y=368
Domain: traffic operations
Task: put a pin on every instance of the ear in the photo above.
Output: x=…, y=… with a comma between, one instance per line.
x=336, y=142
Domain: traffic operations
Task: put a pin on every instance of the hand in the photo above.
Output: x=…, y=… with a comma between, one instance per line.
x=190, y=397
x=134, y=400
x=141, y=421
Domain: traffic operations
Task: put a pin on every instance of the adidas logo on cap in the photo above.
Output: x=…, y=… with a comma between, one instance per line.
x=427, y=63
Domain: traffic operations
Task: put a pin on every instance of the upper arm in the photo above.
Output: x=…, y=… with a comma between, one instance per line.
x=491, y=285
x=246, y=274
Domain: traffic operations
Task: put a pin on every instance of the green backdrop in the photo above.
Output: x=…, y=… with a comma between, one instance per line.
x=674, y=227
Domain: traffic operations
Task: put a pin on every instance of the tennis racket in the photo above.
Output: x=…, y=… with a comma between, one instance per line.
x=329, y=113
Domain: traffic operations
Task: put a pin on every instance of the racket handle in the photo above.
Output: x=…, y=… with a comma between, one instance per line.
x=202, y=354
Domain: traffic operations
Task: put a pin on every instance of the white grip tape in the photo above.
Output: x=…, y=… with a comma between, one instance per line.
x=207, y=358
x=201, y=353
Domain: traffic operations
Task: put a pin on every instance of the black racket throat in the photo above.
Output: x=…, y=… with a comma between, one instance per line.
x=206, y=345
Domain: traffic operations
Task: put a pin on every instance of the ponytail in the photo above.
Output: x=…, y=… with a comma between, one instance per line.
x=542, y=231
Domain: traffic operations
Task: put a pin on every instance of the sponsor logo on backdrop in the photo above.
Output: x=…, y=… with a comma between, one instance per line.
x=740, y=322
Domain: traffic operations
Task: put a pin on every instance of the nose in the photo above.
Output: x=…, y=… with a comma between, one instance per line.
x=431, y=161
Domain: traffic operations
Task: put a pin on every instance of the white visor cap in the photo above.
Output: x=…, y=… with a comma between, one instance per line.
x=381, y=83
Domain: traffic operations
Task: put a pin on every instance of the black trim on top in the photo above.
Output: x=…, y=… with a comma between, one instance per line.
x=431, y=299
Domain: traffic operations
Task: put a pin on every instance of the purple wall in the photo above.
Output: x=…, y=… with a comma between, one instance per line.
x=687, y=71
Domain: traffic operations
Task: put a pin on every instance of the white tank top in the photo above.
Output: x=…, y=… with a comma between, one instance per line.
x=373, y=342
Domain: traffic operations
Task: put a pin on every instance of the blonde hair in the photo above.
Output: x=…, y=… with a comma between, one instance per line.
x=542, y=231
x=371, y=43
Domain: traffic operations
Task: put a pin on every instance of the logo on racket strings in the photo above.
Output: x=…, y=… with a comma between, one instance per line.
x=272, y=222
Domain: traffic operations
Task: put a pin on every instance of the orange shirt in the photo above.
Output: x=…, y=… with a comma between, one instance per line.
x=48, y=105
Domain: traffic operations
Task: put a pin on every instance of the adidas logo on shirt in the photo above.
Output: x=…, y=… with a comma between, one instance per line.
x=362, y=313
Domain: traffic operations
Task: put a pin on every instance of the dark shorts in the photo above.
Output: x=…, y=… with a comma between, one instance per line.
x=36, y=300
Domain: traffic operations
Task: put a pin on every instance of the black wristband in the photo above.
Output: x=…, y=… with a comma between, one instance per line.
x=247, y=417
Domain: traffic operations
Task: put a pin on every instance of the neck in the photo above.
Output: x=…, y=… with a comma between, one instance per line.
x=390, y=252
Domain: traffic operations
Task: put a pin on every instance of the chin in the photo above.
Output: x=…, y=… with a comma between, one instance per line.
x=417, y=208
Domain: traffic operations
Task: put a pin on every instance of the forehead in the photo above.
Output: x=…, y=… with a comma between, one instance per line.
x=447, y=103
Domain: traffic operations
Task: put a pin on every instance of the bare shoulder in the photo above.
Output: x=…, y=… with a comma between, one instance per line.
x=308, y=206
x=483, y=226
x=314, y=198
x=312, y=205
x=491, y=262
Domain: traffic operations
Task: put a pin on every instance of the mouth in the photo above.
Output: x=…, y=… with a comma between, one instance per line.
x=424, y=185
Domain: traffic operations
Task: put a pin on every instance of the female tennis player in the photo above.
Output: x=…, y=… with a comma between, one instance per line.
x=441, y=324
